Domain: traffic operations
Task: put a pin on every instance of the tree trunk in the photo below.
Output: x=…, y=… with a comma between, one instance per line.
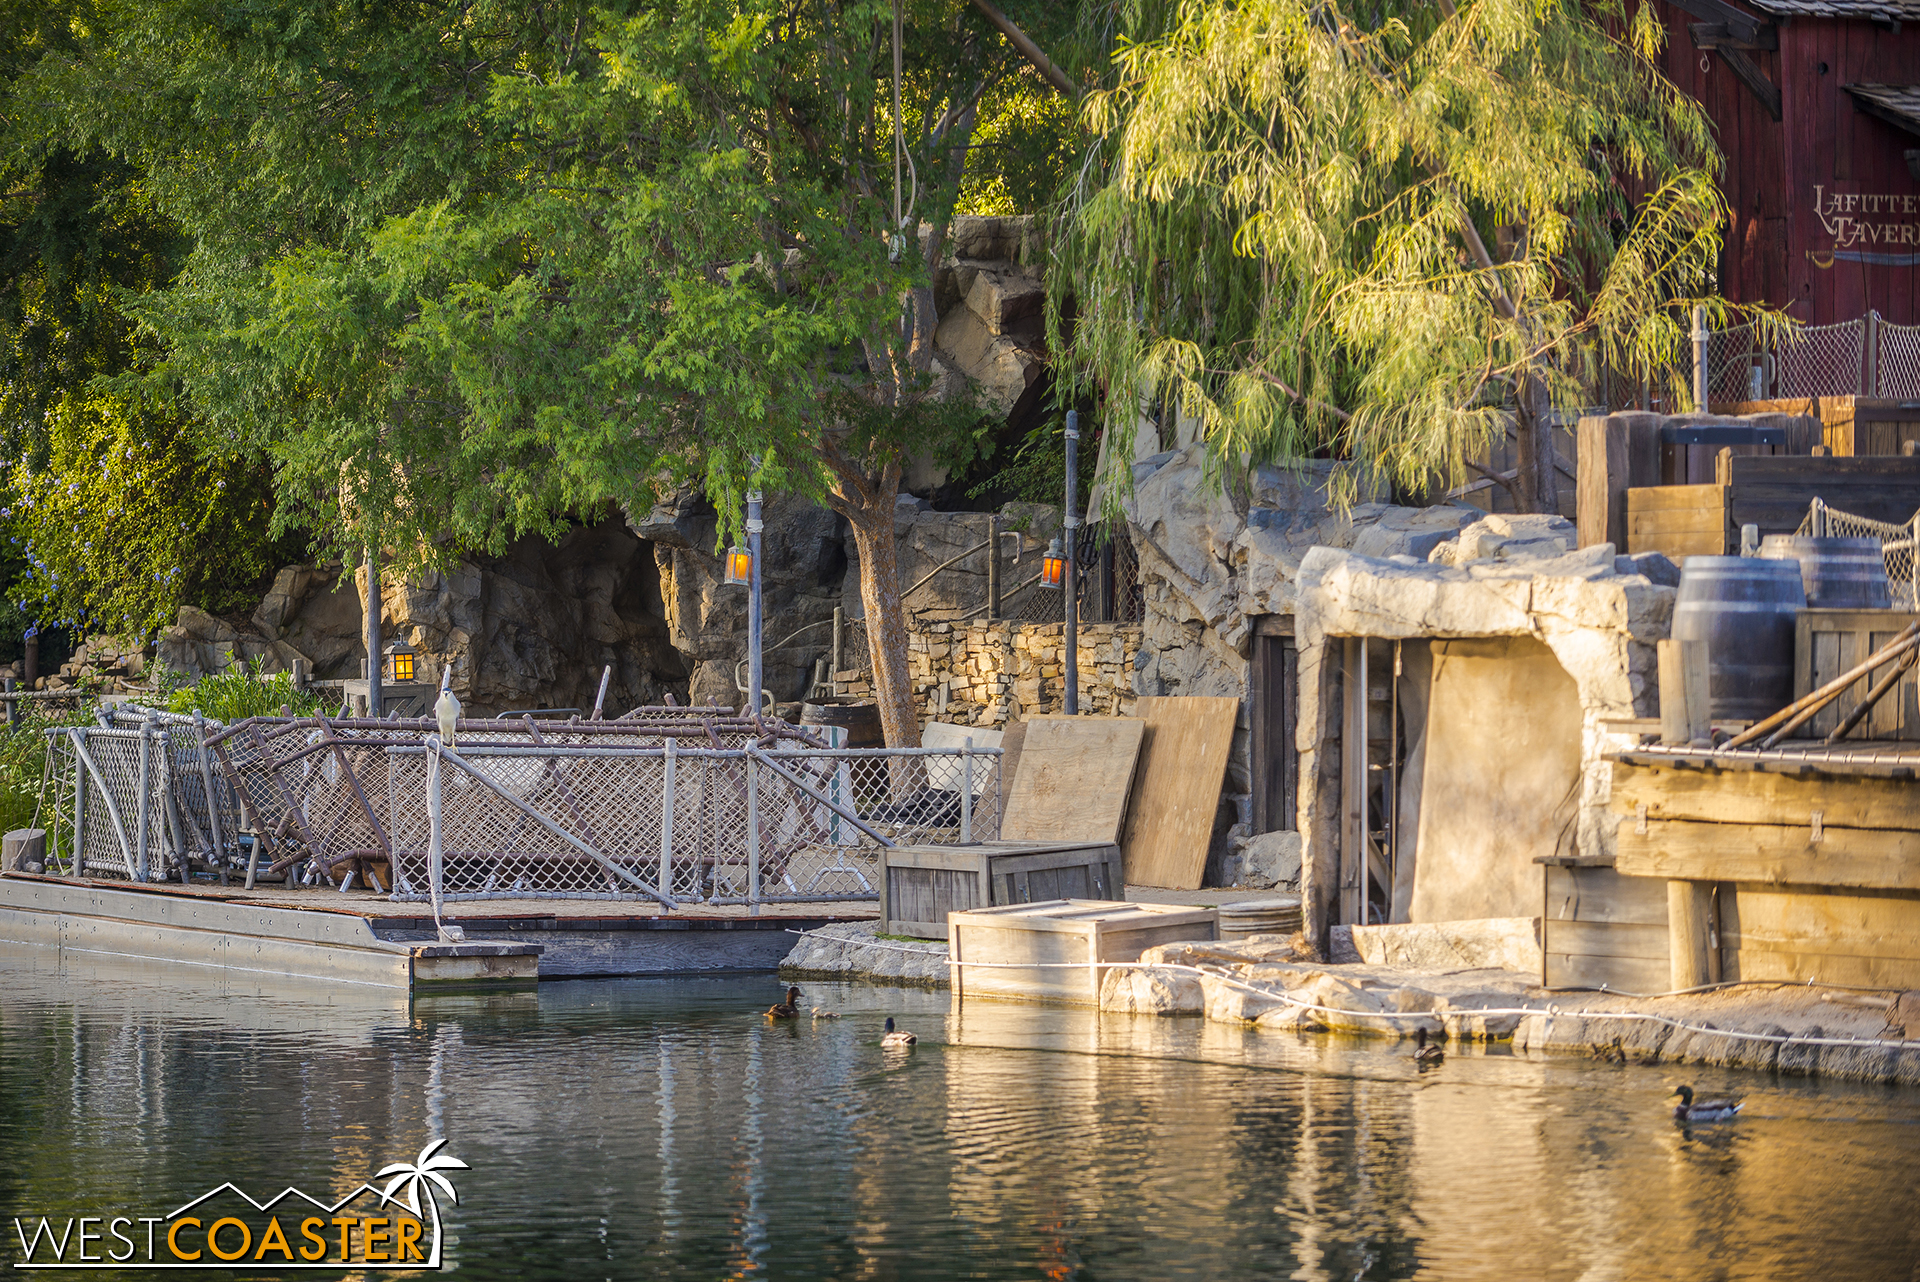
x=1537, y=486
x=886, y=615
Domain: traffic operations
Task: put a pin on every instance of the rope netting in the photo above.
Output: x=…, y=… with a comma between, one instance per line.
x=1896, y=546
x=1898, y=365
x=1815, y=360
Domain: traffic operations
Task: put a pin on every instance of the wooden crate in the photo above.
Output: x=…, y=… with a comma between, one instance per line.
x=1603, y=929
x=1849, y=425
x=1679, y=520
x=1827, y=643
x=1052, y=951
x=920, y=885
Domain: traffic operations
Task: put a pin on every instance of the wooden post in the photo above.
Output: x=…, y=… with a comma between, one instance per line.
x=1683, y=692
x=1689, y=908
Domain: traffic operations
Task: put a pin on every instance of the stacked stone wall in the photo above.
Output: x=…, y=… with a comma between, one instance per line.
x=986, y=674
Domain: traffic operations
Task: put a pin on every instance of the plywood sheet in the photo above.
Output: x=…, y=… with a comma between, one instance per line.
x=1182, y=765
x=1072, y=779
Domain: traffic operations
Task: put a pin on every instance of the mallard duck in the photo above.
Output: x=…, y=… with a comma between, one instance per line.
x=1423, y=1053
x=787, y=1009
x=896, y=1037
x=1707, y=1110
x=821, y=1012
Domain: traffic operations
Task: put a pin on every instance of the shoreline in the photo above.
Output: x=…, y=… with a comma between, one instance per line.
x=1262, y=983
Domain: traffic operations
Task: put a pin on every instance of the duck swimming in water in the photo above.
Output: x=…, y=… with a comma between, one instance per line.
x=1707, y=1110
x=821, y=1012
x=1424, y=1054
x=787, y=1009
x=896, y=1037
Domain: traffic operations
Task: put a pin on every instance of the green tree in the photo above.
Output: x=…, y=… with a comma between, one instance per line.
x=464, y=269
x=1389, y=232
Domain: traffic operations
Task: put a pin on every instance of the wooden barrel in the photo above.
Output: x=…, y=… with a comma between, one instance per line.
x=1839, y=574
x=859, y=718
x=1743, y=607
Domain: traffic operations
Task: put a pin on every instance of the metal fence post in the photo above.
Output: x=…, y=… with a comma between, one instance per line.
x=966, y=791
x=1870, y=356
x=666, y=819
x=13, y=705
x=1700, y=337
x=1071, y=585
x=993, y=566
x=140, y=810
x=839, y=650
x=75, y=861
x=753, y=832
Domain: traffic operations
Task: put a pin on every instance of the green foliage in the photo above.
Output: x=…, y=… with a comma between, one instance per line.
x=239, y=693
x=23, y=765
x=128, y=519
x=1282, y=232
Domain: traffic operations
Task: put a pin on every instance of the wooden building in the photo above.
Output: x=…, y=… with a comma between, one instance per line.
x=1817, y=106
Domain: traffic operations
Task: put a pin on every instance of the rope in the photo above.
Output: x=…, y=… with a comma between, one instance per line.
x=1551, y=1012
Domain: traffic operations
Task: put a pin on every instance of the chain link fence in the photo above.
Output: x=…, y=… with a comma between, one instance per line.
x=715, y=809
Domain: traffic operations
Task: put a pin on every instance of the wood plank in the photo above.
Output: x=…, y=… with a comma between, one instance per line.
x=1753, y=796
x=1183, y=764
x=1608, y=939
x=1769, y=853
x=1601, y=894
x=1672, y=498
x=1617, y=974
x=1831, y=968
x=1814, y=918
x=1073, y=780
x=1012, y=740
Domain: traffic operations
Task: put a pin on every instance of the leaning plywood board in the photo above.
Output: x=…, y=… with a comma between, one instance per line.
x=1073, y=778
x=1182, y=765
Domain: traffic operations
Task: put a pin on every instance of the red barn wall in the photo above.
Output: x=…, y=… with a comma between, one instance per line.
x=1825, y=215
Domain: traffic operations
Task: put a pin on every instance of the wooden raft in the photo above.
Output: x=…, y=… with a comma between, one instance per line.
x=1808, y=876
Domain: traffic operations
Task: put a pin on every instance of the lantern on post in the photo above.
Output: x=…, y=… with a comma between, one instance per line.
x=399, y=666
x=739, y=566
x=1053, y=566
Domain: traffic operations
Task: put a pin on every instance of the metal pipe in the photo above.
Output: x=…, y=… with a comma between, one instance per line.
x=217, y=833
x=667, y=782
x=756, y=670
x=839, y=642
x=966, y=791
x=753, y=835
x=1072, y=585
x=600, y=700
x=140, y=833
x=76, y=859
x=993, y=566
x=1700, y=337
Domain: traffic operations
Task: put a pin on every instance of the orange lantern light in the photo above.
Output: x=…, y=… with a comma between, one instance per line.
x=399, y=665
x=1053, y=566
x=739, y=566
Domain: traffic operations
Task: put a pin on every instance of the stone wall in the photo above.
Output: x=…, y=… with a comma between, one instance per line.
x=987, y=674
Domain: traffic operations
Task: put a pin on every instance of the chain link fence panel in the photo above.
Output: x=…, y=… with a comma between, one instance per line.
x=1897, y=364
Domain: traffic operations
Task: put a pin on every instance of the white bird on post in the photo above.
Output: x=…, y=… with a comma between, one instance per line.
x=447, y=708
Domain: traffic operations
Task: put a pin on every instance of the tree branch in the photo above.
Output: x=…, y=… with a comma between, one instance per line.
x=1048, y=69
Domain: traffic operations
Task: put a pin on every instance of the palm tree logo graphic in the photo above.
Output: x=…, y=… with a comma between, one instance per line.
x=419, y=1178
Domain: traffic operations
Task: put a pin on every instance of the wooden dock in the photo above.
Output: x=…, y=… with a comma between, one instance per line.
x=365, y=939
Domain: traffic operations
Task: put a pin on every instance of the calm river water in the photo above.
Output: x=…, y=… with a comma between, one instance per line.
x=663, y=1129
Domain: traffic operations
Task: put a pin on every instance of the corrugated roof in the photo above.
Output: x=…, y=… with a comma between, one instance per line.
x=1884, y=10
x=1896, y=104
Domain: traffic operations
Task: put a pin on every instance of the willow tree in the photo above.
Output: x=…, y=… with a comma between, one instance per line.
x=1389, y=233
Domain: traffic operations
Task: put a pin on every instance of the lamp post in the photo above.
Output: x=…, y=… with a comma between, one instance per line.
x=373, y=632
x=1070, y=587
x=756, y=671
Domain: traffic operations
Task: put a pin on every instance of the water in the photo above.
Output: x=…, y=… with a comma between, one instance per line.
x=662, y=1129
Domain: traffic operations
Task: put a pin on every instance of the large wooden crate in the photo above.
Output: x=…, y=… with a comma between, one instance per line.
x=1601, y=929
x=920, y=885
x=1827, y=643
x=1678, y=521
x=1053, y=951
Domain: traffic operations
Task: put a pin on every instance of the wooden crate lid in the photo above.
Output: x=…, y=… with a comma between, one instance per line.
x=1081, y=915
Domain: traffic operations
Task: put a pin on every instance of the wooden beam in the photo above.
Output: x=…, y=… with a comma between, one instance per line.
x=1720, y=35
x=1743, y=26
x=1689, y=953
x=1754, y=79
x=1769, y=853
x=1761, y=797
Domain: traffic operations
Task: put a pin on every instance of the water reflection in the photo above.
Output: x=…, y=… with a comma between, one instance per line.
x=663, y=1129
